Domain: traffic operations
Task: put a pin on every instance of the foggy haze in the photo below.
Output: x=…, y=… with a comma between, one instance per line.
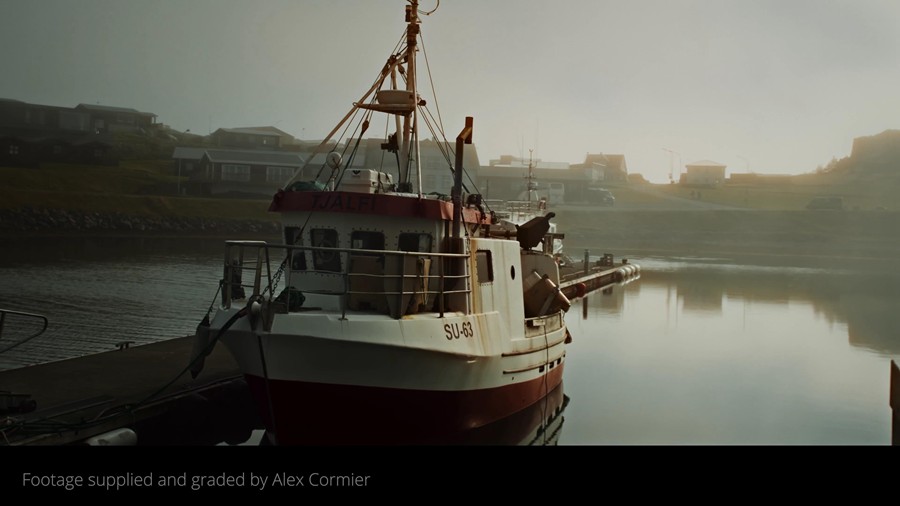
x=769, y=86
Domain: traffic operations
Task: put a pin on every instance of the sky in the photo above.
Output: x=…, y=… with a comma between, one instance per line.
x=767, y=86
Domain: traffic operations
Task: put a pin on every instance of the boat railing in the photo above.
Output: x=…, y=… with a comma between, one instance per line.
x=8, y=316
x=507, y=208
x=397, y=283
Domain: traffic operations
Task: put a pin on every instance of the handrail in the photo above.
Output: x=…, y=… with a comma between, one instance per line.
x=291, y=247
x=245, y=275
x=4, y=312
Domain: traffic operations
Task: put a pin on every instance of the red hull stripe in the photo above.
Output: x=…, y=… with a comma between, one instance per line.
x=325, y=414
x=368, y=203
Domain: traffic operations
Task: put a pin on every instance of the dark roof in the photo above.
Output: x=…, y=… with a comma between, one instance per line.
x=252, y=131
x=612, y=161
x=255, y=157
x=705, y=163
x=186, y=153
x=262, y=129
x=107, y=108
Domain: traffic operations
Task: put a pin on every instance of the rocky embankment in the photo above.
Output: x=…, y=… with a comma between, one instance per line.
x=31, y=220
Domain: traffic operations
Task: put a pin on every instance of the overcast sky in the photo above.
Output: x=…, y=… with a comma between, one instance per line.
x=777, y=86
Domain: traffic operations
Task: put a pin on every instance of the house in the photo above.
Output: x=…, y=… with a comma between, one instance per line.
x=107, y=119
x=437, y=161
x=606, y=168
x=34, y=119
x=269, y=138
x=31, y=151
x=217, y=171
x=254, y=173
x=437, y=173
x=16, y=151
x=704, y=173
x=34, y=133
x=505, y=178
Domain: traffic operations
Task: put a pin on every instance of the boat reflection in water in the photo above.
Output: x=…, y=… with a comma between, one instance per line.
x=538, y=425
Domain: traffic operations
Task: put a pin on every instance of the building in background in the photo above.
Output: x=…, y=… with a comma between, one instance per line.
x=704, y=173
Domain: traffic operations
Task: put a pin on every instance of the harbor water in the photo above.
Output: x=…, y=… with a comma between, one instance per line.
x=696, y=351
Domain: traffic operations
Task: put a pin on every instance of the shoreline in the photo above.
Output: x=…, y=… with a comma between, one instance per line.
x=53, y=222
x=796, y=237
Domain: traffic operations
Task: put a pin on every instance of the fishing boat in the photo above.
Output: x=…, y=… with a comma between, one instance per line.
x=388, y=313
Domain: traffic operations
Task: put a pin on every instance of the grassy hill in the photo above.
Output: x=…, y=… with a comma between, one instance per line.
x=134, y=188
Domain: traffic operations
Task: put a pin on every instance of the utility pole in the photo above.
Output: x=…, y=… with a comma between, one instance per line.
x=672, y=163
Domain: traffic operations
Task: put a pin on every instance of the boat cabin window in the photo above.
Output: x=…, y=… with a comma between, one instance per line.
x=293, y=236
x=484, y=265
x=325, y=260
x=414, y=242
x=360, y=239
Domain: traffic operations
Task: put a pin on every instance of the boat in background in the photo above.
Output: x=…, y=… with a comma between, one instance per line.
x=387, y=312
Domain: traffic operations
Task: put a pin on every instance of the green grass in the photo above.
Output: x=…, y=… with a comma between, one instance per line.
x=862, y=195
x=115, y=189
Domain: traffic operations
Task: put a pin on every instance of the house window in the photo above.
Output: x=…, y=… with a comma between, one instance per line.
x=57, y=149
x=278, y=174
x=484, y=266
x=235, y=172
x=325, y=260
x=13, y=149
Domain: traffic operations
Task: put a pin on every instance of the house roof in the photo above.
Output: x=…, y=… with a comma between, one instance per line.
x=255, y=157
x=705, y=163
x=282, y=158
x=186, y=153
x=108, y=108
x=606, y=160
x=262, y=129
x=252, y=131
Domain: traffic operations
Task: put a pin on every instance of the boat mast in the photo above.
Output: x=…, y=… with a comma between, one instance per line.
x=410, y=124
x=531, y=185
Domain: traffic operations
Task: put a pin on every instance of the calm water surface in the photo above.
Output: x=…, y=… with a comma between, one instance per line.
x=697, y=351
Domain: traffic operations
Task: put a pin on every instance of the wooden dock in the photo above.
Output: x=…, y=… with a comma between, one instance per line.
x=580, y=279
x=82, y=397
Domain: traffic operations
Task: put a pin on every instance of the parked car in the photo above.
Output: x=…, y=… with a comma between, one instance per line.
x=601, y=196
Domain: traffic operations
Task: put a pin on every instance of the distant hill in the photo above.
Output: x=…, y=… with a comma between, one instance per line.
x=873, y=157
x=870, y=175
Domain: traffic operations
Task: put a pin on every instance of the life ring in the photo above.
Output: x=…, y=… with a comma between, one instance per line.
x=580, y=289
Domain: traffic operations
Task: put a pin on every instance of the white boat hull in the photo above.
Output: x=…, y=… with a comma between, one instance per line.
x=403, y=381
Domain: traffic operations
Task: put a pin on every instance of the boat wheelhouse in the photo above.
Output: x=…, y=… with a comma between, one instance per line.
x=388, y=314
